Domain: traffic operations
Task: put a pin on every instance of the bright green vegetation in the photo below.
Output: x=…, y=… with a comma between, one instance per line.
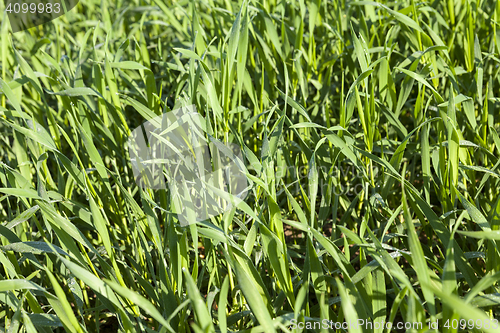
x=396, y=101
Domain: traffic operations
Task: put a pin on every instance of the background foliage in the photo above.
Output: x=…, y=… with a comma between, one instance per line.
x=371, y=134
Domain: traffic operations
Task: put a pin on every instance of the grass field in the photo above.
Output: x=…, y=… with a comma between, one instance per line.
x=370, y=135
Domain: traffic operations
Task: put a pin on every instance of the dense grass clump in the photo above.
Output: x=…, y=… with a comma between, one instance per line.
x=370, y=134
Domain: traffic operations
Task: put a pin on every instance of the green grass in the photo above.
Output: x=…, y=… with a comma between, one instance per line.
x=370, y=131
